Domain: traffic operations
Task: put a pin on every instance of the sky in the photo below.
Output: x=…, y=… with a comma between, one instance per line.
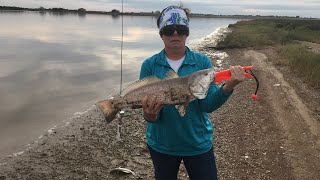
x=306, y=8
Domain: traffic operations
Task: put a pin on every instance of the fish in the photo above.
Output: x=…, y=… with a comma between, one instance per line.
x=172, y=90
x=122, y=170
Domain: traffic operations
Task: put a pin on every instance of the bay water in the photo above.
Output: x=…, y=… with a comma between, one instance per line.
x=53, y=66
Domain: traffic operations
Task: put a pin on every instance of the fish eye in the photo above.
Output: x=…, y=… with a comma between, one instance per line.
x=206, y=74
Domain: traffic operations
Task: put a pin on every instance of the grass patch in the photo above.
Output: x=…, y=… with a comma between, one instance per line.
x=261, y=32
x=303, y=62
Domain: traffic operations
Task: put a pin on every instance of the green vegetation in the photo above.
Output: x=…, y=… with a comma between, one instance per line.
x=303, y=62
x=282, y=34
x=270, y=32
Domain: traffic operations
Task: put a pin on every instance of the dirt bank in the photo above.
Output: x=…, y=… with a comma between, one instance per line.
x=276, y=137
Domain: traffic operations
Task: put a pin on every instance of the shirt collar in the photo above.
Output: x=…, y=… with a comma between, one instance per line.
x=188, y=59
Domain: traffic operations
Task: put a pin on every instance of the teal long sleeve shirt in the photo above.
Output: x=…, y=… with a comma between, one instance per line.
x=192, y=134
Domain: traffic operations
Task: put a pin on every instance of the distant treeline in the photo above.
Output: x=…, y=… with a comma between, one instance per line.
x=57, y=10
x=116, y=12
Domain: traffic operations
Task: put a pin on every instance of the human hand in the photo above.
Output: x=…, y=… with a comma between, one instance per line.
x=150, y=112
x=237, y=76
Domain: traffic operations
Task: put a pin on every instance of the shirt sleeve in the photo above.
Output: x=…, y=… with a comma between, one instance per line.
x=216, y=96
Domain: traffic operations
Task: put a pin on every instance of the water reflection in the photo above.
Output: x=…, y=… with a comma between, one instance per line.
x=82, y=15
x=115, y=16
x=53, y=65
x=42, y=13
x=11, y=11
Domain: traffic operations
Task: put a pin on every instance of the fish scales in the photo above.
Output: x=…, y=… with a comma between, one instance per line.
x=174, y=91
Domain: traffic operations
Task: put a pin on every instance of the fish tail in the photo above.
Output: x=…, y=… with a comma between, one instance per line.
x=108, y=109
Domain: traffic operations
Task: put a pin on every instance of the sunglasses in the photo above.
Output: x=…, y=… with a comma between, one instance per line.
x=169, y=30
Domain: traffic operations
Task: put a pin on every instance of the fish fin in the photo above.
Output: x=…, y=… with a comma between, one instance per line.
x=171, y=75
x=182, y=108
x=139, y=83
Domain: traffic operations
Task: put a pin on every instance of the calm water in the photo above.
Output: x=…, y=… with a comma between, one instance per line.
x=52, y=66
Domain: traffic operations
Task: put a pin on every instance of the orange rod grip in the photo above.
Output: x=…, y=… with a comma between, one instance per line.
x=226, y=74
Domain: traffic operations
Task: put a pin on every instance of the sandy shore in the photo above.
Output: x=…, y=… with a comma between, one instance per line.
x=264, y=139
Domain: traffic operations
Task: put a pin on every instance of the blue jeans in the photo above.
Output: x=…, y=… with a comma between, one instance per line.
x=199, y=167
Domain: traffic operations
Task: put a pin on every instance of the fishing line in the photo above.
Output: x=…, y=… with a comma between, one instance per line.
x=121, y=46
x=254, y=96
x=120, y=114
